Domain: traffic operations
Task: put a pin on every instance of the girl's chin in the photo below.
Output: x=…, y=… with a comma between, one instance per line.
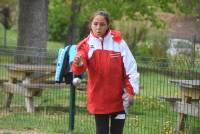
x=99, y=35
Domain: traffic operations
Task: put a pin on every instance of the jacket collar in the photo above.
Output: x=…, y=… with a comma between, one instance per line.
x=100, y=38
x=110, y=34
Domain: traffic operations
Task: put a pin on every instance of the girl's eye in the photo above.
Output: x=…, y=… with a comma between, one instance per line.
x=100, y=24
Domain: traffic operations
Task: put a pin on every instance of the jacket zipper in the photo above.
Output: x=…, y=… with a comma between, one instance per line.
x=102, y=43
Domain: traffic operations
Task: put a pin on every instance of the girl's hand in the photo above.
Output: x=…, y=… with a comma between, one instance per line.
x=78, y=60
x=130, y=99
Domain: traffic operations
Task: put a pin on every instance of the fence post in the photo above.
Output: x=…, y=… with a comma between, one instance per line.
x=5, y=37
x=194, y=50
x=71, y=108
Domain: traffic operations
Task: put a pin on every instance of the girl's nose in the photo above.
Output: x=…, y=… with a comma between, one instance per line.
x=98, y=26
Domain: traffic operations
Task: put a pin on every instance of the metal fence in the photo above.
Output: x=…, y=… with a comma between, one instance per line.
x=161, y=107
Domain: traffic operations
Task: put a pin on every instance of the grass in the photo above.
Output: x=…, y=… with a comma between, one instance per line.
x=52, y=46
x=39, y=121
x=11, y=36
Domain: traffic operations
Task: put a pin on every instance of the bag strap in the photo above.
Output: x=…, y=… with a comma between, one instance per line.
x=67, y=54
x=68, y=49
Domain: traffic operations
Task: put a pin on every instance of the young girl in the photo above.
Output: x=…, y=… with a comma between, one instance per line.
x=111, y=69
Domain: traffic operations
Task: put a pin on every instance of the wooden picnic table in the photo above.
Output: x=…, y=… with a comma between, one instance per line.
x=27, y=80
x=190, y=90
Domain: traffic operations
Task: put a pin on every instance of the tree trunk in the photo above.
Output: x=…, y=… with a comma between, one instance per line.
x=32, y=32
x=71, y=32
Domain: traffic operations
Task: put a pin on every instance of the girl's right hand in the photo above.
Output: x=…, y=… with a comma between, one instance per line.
x=78, y=60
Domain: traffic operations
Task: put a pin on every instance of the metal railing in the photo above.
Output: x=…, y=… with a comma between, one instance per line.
x=152, y=112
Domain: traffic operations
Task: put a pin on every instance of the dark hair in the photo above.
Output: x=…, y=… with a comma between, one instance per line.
x=102, y=13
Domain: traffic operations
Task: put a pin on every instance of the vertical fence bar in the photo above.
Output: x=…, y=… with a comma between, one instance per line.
x=71, y=108
x=194, y=50
x=5, y=37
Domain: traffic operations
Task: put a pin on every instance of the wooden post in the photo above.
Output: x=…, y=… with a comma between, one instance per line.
x=8, y=99
x=29, y=104
x=8, y=95
x=182, y=117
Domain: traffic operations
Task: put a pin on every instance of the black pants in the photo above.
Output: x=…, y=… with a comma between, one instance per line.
x=116, y=123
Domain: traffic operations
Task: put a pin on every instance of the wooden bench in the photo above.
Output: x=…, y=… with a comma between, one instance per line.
x=3, y=80
x=170, y=98
x=30, y=90
x=187, y=109
x=26, y=90
x=175, y=100
x=20, y=75
x=29, y=81
x=190, y=106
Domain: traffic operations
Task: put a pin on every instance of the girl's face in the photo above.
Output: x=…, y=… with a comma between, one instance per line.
x=99, y=26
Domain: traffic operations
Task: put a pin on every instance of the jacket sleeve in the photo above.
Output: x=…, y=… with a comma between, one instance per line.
x=81, y=51
x=130, y=67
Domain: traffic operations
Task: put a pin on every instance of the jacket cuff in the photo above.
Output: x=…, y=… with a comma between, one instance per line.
x=76, y=69
x=131, y=92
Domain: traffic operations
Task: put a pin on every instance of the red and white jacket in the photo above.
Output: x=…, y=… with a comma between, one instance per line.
x=111, y=68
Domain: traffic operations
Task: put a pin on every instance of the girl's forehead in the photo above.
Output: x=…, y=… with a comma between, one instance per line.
x=99, y=18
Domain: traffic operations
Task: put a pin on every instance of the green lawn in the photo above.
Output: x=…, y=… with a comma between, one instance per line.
x=11, y=36
x=52, y=46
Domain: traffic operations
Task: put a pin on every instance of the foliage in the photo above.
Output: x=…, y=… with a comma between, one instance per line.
x=11, y=4
x=58, y=12
x=140, y=10
x=144, y=49
x=152, y=48
x=132, y=31
x=160, y=47
x=189, y=6
x=152, y=51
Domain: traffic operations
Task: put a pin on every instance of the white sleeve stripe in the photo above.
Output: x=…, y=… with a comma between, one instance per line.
x=130, y=66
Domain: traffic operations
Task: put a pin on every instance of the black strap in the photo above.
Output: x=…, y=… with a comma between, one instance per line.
x=67, y=54
x=66, y=73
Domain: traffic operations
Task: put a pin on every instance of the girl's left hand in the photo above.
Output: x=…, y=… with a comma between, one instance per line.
x=130, y=99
